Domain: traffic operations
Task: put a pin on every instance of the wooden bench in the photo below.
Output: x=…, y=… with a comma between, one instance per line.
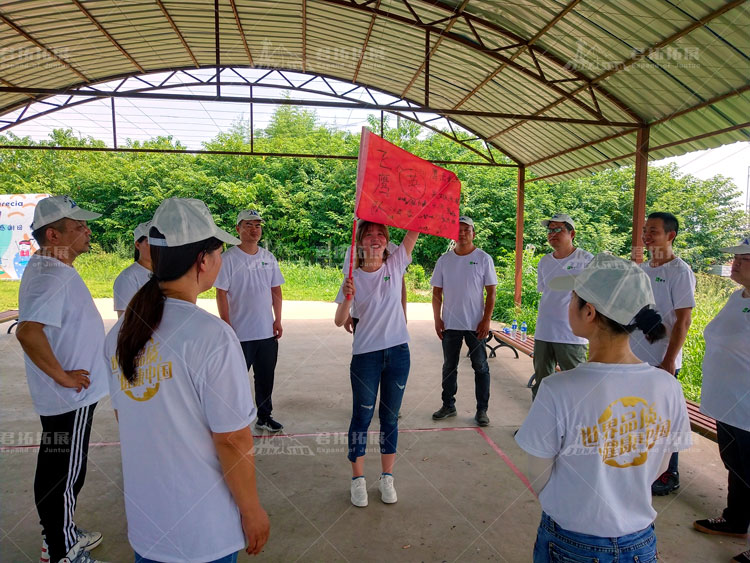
x=506, y=340
x=701, y=423
x=10, y=315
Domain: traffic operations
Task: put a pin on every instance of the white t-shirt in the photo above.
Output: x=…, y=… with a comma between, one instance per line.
x=725, y=393
x=127, y=284
x=674, y=288
x=463, y=279
x=608, y=428
x=192, y=381
x=53, y=294
x=345, y=269
x=248, y=279
x=377, y=298
x=552, y=319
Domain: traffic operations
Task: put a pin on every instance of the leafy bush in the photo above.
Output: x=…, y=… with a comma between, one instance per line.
x=505, y=307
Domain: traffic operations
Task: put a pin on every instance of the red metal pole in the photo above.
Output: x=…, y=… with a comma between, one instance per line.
x=519, y=234
x=639, y=193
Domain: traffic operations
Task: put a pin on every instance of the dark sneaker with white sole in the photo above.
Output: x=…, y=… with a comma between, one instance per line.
x=270, y=425
x=482, y=418
x=444, y=412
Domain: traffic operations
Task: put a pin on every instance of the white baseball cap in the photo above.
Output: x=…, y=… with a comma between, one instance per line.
x=141, y=230
x=559, y=218
x=54, y=208
x=466, y=220
x=742, y=248
x=183, y=221
x=617, y=288
x=248, y=215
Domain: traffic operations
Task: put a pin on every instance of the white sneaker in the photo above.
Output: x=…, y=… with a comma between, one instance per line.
x=78, y=555
x=359, y=491
x=387, y=490
x=86, y=540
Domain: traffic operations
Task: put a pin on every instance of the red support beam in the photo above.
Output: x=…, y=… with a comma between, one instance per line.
x=639, y=193
x=519, y=234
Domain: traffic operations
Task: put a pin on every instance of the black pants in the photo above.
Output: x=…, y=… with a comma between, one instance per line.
x=60, y=473
x=262, y=355
x=452, y=341
x=734, y=448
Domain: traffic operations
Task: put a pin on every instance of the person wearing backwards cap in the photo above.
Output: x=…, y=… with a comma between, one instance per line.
x=462, y=276
x=135, y=276
x=596, y=436
x=554, y=342
x=725, y=396
x=62, y=334
x=248, y=296
x=180, y=391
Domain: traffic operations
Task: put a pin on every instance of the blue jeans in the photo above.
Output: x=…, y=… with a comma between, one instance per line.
x=388, y=369
x=452, y=341
x=232, y=558
x=557, y=545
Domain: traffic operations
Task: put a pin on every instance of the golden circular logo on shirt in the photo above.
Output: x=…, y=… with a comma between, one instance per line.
x=141, y=393
x=628, y=429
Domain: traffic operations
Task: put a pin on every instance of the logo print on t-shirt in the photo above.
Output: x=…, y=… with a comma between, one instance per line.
x=150, y=371
x=660, y=280
x=473, y=263
x=626, y=430
x=746, y=310
x=386, y=278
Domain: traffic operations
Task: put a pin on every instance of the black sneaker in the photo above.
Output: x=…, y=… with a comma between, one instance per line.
x=482, y=418
x=720, y=527
x=743, y=557
x=665, y=484
x=444, y=412
x=269, y=424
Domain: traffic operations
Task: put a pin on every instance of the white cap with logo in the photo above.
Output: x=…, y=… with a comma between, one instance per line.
x=54, y=208
x=742, y=248
x=559, y=218
x=617, y=288
x=184, y=221
x=466, y=220
x=141, y=230
x=249, y=215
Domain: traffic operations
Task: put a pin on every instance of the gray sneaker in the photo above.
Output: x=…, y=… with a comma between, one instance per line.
x=79, y=555
x=86, y=541
x=444, y=412
x=482, y=418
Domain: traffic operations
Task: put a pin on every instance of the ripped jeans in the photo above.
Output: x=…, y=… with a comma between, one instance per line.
x=388, y=369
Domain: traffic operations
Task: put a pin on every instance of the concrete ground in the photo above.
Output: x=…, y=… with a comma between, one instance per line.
x=462, y=494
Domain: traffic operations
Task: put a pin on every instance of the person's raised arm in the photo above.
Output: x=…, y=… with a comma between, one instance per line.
x=410, y=239
x=235, y=452
x=222, y=304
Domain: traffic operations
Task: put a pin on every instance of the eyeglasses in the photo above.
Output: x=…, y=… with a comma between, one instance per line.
x=555, y=230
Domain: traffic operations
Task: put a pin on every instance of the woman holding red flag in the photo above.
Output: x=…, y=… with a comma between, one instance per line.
x=380, y=350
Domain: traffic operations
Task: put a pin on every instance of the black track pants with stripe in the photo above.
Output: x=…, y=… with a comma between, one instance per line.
x=60, y=473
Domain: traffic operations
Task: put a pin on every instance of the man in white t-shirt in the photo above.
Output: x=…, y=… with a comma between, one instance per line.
x=248, y=295
x=462, y=313
x=62, y=336
x=673, y=283
x=554, y=342
x=135, y=276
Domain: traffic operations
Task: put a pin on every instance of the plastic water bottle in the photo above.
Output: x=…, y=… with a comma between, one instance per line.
x=513, y=328
x=523, y=331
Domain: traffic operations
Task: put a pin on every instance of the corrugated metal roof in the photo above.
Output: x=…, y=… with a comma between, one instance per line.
x=636, y=62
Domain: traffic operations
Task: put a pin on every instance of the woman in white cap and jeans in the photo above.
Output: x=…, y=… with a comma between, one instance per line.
x=725, y=395
x=135, y=276
x=180, y=391
x=380, y=350
x=598, y=435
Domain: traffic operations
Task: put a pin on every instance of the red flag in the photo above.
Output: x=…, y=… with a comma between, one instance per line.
x=396, y=188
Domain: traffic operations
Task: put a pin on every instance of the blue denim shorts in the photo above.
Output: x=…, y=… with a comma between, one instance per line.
x=558, y=545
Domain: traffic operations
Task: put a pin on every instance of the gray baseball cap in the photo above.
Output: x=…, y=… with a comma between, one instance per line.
x=559, y=218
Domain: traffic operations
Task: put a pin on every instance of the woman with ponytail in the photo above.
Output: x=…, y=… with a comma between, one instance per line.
x=598, y=435
x=180, y=391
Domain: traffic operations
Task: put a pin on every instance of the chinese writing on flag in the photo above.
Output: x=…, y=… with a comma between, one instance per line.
x=396, y=188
